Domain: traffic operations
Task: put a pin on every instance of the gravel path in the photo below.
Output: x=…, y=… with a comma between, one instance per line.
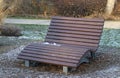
x=108, y=24
x=106, y=65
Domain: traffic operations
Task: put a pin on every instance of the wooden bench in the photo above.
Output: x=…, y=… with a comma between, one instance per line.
x=69, y=42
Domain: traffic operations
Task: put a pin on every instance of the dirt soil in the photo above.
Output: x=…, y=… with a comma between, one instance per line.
x=106, y=64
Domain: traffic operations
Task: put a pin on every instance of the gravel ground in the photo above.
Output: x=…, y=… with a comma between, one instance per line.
x=106, y=65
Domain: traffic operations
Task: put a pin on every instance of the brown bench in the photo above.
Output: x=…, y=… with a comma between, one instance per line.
x=71, y=41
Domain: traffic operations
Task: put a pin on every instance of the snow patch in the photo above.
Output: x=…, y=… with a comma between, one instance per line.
x=55, y=44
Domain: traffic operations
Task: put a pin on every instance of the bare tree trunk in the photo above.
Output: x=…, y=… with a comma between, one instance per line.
x=6, y=8
x=110, y=6
x=45, y=13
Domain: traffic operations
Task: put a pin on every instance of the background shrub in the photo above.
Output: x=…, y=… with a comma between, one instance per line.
x=79, y=8
x=34, y=7
x=76, y=8
x=10, y=30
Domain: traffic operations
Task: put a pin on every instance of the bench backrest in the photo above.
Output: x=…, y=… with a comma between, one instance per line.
x=75, y=31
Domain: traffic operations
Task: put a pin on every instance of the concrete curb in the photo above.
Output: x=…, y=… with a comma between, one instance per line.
x=107, y=24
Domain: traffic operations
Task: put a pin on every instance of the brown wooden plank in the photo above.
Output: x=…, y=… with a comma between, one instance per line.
x=74, y=29
x=47, y=61
x=72, y=39
x=76, y=25
x=75, y=34
x=55, y=50
x=59, y=52
x=71, y=43
x=74, y=57
x=73, y=49
x=78, y=19
x=76, y=22
x=87, y=48
x=54, y=58
x=64, y=33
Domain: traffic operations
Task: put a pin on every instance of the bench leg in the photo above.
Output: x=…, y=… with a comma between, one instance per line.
x=27, y=63
x=65, y=69
x=73, y=69
x=84, y=60
x=34, y=63
x=93, y=55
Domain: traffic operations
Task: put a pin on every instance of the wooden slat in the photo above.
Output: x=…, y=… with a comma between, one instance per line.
x=81, y=46
x=54, y=50
x=47, y=61
x=72, y=39
x=72, y=43
x=74, y=29
x=77, y=48
x=79, y=19
x=60, y=52
x=48, y=53
x=68, y=60
x=66, y=48
x=64, y=33
x=76, y=26
x=76, y=22
x=74, y=34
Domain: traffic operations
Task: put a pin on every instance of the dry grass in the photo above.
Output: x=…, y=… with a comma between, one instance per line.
x=6, y=7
